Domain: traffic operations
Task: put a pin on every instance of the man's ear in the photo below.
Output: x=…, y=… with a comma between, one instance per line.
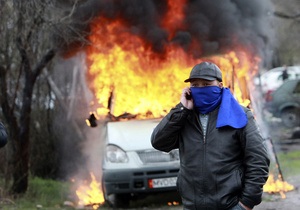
x=220, y=84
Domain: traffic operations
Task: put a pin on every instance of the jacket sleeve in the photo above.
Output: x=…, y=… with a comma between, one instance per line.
x=3, y=135
x=256, y=163
x=166, y=135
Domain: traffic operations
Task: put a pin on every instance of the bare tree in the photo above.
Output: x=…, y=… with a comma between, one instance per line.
x=32, y=33
x=286, y=23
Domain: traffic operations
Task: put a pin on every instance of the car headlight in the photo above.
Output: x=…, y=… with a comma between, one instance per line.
x=115, y=154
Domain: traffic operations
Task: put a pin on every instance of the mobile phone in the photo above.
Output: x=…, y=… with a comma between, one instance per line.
x=188, y=96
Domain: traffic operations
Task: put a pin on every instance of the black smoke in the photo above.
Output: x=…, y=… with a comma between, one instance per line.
x=209, y=27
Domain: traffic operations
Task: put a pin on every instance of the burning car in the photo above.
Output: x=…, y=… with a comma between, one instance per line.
x=137, y=59
x=132, y=167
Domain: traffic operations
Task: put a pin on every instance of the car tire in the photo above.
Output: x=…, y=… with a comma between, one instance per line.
x=119, y=200
x=290, y=117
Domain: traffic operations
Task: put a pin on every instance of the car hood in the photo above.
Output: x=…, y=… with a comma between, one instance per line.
x=132, y=134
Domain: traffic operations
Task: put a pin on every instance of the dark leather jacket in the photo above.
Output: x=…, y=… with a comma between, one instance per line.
x=3, y=135
x=216, y=172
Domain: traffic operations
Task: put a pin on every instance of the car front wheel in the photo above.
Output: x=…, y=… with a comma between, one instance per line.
x=119, y=200
x=290, y=117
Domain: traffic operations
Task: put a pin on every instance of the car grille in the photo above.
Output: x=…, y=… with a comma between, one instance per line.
x=158, y=156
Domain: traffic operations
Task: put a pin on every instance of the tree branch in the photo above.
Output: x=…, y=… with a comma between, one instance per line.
x=25, y=60
x=45, y=60
x=286, y=16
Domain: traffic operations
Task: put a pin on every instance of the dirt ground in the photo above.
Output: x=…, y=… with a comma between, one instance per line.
x=275, y=202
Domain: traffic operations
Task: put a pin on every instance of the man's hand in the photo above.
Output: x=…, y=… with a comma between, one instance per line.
x=245, y=207
x=186, y=98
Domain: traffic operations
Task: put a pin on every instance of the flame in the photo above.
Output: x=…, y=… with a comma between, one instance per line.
x=90, y=194
x=174, y=18
x=277, y=186
x=126, y=76
x=174, y=203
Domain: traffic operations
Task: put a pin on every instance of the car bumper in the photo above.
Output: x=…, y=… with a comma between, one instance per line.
x=136, y=181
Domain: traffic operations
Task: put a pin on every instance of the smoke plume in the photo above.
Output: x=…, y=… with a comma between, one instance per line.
x=208, y=27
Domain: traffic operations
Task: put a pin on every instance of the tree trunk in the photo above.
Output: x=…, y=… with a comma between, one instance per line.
x=21, y=157
x=21, y=141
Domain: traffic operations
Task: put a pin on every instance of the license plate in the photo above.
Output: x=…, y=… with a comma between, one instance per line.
x=162, y=182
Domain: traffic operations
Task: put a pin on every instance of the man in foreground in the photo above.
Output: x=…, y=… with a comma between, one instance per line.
x=223, y=160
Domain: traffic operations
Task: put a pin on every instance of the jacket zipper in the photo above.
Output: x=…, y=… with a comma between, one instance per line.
x=204, y=168
x=205, y=130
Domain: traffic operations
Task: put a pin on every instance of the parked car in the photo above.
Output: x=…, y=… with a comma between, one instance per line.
x=132, y=167
x=285, y=103
x=270, y=80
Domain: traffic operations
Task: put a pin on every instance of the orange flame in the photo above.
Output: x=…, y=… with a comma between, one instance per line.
x=174, y=203
x=277, y=186
x=174, y=16
x=124, y=69
x=90, y=194
x=128, y=77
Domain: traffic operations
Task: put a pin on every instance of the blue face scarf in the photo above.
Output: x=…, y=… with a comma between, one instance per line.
x=206, y=99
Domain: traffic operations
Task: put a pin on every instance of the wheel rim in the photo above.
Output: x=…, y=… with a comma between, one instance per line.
x=289, y=118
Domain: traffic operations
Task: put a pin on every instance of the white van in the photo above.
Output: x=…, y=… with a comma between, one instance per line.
x=132, y=167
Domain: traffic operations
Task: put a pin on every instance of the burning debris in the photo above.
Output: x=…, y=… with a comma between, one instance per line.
x=277, y=185
x=92, y=120
x=90, y=194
